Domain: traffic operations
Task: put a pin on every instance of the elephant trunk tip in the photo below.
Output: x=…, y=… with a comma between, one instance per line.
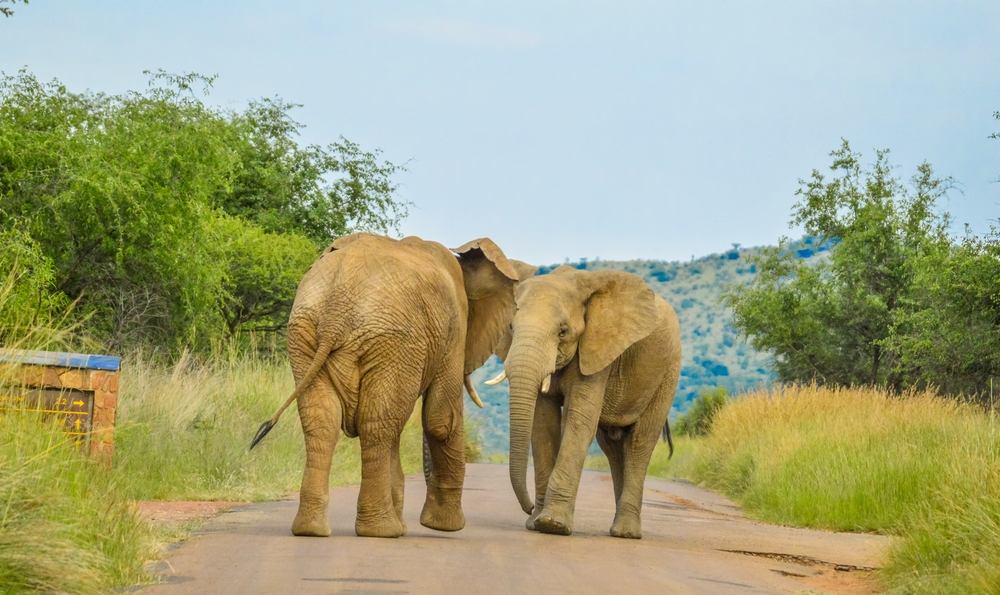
x=264, y=429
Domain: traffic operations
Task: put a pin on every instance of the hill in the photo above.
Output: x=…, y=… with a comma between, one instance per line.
x=713, y=353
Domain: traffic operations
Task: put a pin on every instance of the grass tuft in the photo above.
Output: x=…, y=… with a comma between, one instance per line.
x=66, y=525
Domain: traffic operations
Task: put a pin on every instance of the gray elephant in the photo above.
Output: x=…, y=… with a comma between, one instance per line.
x=376, y=324
x=589, y=353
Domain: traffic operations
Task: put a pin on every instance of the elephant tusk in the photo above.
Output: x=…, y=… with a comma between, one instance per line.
x=498, y=379
x=472, y=392
x=547, y=383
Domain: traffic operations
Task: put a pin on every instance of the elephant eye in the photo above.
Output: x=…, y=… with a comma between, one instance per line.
x=562, y=331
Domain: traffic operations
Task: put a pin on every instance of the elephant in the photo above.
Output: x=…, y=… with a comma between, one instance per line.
x=377, y=323
x=587, y=353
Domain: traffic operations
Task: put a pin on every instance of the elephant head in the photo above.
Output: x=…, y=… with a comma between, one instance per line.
x=568, y=317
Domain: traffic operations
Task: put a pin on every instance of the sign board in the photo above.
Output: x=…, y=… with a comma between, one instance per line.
x=79, y=389
x=74, y=407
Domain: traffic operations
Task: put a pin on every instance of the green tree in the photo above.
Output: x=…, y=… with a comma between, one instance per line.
x=264, y=272
x=321, y=193
x=697, y=420
x=27, y=303
x=169, y=221
x=948, y=335
x=830, y=321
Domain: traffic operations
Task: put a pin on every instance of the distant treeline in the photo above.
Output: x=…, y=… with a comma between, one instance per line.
x=168, y=222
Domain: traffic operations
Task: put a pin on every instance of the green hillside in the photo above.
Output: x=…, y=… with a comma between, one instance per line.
x=714, y=354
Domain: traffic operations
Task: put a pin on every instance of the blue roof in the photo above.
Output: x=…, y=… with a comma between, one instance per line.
x=65, y=360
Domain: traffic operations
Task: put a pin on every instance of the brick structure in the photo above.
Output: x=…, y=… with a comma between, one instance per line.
x=79, y=388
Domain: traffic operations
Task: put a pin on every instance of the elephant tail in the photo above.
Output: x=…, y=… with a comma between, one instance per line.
x=666, y=436
x=322, y=352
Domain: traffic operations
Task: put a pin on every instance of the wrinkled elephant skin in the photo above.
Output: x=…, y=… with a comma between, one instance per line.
x=378, y=323
x=589, y=353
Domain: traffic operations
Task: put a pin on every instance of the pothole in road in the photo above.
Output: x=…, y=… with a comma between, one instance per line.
x=803, y=560
x=838, y=579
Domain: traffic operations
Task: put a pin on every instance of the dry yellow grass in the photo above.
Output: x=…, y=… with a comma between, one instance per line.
x=916, y=465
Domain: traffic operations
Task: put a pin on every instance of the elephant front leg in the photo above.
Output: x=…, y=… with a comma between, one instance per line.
x=320, y=413
x=545, y=436
x=581, y=414
x=443, y=431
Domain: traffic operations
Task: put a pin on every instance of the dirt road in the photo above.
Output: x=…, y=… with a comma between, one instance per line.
x=694, y=542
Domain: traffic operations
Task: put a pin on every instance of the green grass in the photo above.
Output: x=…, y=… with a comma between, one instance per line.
x=65, y=523
x=921, y=467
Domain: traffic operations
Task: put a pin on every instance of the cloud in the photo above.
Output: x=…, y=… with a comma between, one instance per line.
x=463, y=33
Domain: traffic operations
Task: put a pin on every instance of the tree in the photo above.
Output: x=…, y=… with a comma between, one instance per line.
x=156, y=211
x=830, y=321
x=264, y=272
x=948, y=335
x=321, y=193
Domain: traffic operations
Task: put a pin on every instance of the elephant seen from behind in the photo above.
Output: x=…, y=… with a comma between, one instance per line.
x=587, y=353
x=376, y=324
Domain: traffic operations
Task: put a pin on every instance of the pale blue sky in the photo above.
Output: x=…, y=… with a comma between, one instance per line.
x=578, y=129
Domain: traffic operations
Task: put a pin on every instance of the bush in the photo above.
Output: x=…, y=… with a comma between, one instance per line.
x=27, y=302
x=697, y=420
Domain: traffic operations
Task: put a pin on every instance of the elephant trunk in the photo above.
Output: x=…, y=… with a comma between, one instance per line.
x=527, y=366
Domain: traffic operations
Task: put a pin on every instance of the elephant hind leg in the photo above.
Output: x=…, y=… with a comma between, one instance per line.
x=398, y=484
x=614, y=449
x=443, y=423
x=320, y=412
x=385, y=401
x=637, y=447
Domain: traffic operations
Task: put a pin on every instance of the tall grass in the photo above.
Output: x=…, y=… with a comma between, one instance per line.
x=65, y=526
x=922, y=467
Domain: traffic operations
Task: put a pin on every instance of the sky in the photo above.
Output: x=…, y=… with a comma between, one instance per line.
x=566, y=130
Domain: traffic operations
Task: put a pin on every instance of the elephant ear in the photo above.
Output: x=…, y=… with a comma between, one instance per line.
x=621, y=310
x=490, y=280
x=524, y=271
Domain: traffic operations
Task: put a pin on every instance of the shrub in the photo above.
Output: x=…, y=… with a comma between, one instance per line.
x=697, y=420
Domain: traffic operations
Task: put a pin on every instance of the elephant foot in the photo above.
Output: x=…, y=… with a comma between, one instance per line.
x=388, y=526
x=443, y=509
x=554, y=524
x=530, y=523
x=627, y=527
x=311, y=524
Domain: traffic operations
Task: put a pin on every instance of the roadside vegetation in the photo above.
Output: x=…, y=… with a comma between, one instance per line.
x=888, y=349
x=915, y=465
x=67, y=525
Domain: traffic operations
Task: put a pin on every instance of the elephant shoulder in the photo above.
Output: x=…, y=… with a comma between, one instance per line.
x=345, y=241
